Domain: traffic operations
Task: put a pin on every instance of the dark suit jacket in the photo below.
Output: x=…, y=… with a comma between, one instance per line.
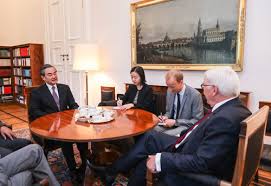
x=145, y=96
x=42, y=101
x=212, y=146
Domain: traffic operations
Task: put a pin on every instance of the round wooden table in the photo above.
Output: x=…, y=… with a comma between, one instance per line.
x=62, y=126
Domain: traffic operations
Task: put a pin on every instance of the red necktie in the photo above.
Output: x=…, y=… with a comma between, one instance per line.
x=180, y=139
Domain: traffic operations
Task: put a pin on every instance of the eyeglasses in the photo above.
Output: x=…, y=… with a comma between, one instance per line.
x=205, y=85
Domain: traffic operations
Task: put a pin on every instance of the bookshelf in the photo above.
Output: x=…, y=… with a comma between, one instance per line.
x=26, y=60
x=6, y=91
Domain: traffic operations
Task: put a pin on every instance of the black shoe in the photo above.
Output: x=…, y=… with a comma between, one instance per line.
x=77, y=177
x=109, y=180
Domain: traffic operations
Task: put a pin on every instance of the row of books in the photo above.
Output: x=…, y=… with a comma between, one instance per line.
x=5, y=72
x=21, y=62
x=6, y=98
x=5, y=90
x=5, y=81
x=4, y=62
x=21, y=52
x=22, y=72
x=4, y=53
x=23, y=82
x=18, y=89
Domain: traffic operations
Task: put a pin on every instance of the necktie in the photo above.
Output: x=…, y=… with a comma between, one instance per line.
x=173, y=116
x=180, y=139
x=55, y=97
x=178, y=105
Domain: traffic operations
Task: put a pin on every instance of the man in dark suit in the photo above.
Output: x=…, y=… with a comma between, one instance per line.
x=184, y=105
x=8, y=142
x=54, y=97
x=210, y=147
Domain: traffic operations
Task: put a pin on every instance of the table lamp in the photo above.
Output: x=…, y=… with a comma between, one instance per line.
x=86, y=59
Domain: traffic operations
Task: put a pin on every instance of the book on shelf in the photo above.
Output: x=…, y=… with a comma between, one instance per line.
x=5, y=90
x=4, y=62
x=21, y=62
x=5, y=72
x=4, y=53
x=26, y=72
x=17, y=71
x=24, y=51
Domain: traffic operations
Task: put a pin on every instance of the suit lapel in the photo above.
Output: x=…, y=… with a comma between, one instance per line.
x=233, y=101
x=183, y=101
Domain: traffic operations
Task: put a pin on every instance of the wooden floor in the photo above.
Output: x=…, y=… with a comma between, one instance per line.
x=16, y=115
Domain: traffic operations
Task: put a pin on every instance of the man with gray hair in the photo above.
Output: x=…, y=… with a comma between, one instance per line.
x=184, y=105
x=54, y=97
x=210, y=142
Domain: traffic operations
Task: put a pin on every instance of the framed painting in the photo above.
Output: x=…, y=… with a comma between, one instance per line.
x=188, y=34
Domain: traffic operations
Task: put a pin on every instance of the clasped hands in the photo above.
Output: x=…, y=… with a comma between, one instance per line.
x=167, y=122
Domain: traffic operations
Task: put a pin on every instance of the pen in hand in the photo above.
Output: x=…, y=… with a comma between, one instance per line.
x=161, y=117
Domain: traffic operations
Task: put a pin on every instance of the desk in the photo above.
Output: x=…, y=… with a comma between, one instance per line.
x=61, y=126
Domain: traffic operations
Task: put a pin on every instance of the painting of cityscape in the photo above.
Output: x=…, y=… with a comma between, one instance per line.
x=188, y=34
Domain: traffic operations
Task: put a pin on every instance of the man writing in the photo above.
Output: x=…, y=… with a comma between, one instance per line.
x=209, y=147
x=184, y=105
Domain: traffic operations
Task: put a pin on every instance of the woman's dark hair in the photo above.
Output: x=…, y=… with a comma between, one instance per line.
x=139, y=70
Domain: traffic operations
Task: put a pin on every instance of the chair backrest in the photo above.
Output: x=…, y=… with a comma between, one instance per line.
x=107, y=93
x=27, y=96
x=250, y=147
x=268, y=125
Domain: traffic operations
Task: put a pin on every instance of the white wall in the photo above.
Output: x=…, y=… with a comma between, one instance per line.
x=111, y=24
x=22, y=21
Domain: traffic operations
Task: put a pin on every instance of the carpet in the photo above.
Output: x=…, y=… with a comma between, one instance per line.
x=59, y=167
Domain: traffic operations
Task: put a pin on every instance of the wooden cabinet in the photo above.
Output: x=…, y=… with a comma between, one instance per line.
x=19, y=68
x=26, y=63
x=67, y=25
x=5, y=74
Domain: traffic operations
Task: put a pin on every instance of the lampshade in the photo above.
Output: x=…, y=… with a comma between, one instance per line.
x=86, y=57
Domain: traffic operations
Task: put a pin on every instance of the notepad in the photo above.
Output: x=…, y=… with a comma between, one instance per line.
x=161, y=124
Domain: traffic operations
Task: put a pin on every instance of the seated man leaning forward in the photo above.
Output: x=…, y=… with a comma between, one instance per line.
x=25, y=167
x=184, y=105
x=210, y=146
x=55, y=97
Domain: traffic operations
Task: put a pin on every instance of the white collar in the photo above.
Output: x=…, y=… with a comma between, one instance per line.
x=221, y=103
x=182, y=91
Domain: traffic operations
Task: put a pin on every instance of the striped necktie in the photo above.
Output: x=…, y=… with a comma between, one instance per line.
x=56, y=98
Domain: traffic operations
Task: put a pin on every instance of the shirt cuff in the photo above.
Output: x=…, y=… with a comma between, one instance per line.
x=158, y=162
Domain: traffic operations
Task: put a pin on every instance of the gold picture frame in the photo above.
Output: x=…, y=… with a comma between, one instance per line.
x=188, y=34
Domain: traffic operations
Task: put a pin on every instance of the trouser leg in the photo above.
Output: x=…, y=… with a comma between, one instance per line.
x=14, y=144
x=67, y=149
x=31, y=158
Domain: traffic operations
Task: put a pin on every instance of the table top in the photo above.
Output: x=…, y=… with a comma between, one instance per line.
x=62, y=126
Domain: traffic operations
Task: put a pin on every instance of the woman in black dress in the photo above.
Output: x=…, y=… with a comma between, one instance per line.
x=138, y=95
